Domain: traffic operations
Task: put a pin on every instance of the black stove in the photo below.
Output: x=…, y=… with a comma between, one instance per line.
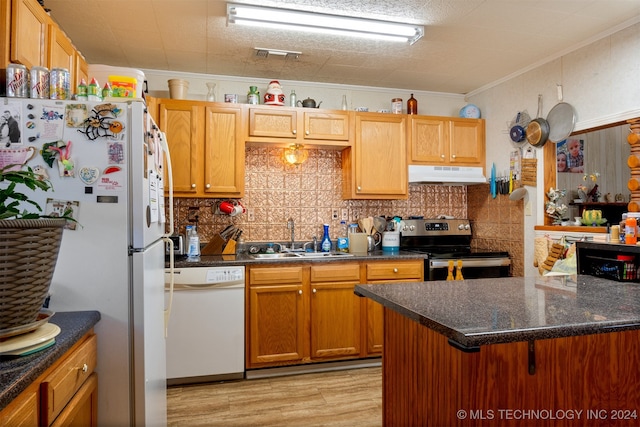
x=444, y=240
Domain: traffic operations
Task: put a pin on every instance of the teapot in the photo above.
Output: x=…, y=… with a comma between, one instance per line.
x=309, y=103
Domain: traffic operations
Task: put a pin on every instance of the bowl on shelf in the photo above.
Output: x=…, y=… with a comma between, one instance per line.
x=596, y=222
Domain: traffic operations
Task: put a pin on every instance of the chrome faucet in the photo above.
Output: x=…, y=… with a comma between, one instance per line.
x=291, y=226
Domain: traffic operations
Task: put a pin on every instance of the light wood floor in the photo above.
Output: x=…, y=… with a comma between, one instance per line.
x=350, y=398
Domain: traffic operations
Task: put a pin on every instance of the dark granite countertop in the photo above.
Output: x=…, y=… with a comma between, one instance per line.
x=243, y=259
x=490, y=311
x=17, y=372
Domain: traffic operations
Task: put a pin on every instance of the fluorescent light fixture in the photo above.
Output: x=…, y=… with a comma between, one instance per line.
x=267, y=17
x=286, y=54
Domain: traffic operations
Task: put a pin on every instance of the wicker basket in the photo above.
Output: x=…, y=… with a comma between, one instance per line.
x=28, y=253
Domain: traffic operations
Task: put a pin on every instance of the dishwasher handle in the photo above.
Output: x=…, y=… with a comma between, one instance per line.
x=207, y=286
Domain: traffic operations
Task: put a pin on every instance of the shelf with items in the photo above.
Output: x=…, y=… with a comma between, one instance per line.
x=612, y=211
x=613, y=261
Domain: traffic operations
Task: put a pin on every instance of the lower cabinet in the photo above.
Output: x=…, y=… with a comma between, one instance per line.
x=305, y=313
x=66, y=394
x=386, y=272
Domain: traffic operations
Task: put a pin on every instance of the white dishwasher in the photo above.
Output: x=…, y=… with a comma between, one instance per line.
x=205, y=338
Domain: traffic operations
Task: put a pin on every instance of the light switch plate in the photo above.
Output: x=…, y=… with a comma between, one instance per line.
x=345, y=215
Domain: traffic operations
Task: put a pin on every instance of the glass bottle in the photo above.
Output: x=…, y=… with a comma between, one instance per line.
x=325, y=244
x=412, y=105
x=342, y=243
x=344, y=102
x=253, y=97
x=293, y=98
x=211, y=92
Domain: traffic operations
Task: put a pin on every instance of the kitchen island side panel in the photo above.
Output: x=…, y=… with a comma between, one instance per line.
x=589, y=380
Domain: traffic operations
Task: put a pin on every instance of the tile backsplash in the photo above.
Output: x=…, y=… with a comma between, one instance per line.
x=309, y=193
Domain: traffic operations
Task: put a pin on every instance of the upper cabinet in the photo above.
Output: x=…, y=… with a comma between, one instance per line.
x=376, y=166
x=206, y=145
x=29, y=33
x=30, y=37
x=287, y=125
x=446, y=141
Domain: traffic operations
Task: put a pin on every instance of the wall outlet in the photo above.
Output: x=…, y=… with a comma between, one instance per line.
x=250, y=216
x=194, y=212
x=345, y=215
x=527, y=208
x=334, y=214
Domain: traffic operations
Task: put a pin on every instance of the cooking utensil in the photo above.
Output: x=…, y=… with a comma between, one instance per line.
x=380, y=224
x=538, y=129
x=562, y=120
x=493, y=181
x=518, y=126
x=309, y=103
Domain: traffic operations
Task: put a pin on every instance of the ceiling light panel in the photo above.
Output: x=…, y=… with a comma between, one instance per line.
x=266, y=17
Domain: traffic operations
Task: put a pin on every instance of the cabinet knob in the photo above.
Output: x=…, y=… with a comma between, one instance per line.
x=294, y=131
x=193, y=186
x=84, y=368
x=208, y=186
x=395, y=270
x=453, y=156
x=300, y=291
x=359, y=188
x=314, y=290
x=307, y=132
x=442, y=156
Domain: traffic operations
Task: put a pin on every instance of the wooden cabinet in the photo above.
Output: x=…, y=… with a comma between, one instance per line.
x=308, y=312
x=29, y=33
x=376, y=166
x=277, y=316
x=61, y=52
x=446, y=141
x=288, y=125
x=206, y=145
x=386, y=272
x=30, y=37
x=66, y=394
x=335, y=311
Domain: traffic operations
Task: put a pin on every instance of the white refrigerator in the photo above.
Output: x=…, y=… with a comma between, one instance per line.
x=105, y=161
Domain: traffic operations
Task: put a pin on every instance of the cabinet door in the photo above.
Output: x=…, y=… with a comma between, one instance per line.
x=335, y=311
x=277, y=123
x=182, y=123
x=82, y=410
x=379, y=157
x=278, y=325
x=224, y=152
x=467, y=141
x=428, y=141
x=382, y=273
x=21, y=411
x=61, y=53
x=29, y=28
x=326, y=126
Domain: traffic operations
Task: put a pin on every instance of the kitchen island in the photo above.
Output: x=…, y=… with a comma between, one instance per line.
x=512, y=352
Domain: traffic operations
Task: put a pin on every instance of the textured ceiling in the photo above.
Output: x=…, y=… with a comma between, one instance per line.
x=467, y=43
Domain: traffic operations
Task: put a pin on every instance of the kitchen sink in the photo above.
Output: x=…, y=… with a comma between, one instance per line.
x=301, y=255
x=276, y=255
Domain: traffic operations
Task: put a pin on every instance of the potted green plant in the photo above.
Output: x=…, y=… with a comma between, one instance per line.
x=29, y=245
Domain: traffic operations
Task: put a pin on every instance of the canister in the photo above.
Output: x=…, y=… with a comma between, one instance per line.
x=17, y=81
x=39, y=82
x=396, y=105
x=391, y=241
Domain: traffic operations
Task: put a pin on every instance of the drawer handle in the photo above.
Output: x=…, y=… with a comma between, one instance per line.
x=84, y=368
x=395, y=270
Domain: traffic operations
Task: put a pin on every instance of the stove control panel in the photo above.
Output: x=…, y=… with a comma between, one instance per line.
x=436, y=227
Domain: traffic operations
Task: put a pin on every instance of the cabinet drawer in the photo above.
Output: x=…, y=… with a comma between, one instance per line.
x=59, y=387
x=275, y=276
x=335, y=273
x=395, y=270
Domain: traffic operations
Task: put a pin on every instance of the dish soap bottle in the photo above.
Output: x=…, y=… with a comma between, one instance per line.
x=325, y=244
x=193, y=253
x=342, y=242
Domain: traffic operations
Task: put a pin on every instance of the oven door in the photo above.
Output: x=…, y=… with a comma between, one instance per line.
x=472, y=268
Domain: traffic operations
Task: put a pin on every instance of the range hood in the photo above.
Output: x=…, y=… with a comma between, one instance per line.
x=447, y=175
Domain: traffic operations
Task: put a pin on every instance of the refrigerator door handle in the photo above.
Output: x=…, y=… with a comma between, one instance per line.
x=167, y=311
